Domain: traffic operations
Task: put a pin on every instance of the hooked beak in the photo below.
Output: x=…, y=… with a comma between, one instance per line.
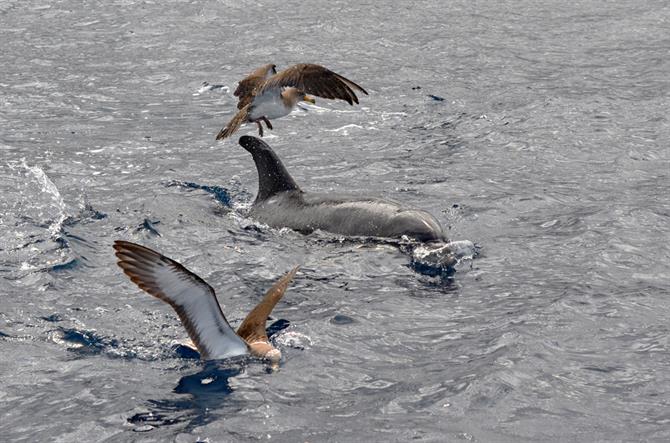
x=309, y=99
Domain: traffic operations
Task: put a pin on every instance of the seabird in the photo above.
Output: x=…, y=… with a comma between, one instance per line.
x=197, y=307
x=266, y=94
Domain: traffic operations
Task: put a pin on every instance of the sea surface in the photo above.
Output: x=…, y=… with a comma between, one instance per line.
x=538, y=130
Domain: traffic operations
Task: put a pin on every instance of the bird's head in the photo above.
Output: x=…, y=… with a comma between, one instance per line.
x=263, y=349
x=295, y=95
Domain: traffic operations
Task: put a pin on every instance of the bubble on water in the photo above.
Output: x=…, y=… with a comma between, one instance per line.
x=293, y=339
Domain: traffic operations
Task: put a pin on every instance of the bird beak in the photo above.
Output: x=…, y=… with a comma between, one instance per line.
x=309, y=99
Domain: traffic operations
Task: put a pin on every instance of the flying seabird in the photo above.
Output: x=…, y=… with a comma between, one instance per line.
x=266, y=94
x=197, y=307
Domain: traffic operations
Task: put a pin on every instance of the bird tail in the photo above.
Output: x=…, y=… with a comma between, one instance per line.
x=234, y=123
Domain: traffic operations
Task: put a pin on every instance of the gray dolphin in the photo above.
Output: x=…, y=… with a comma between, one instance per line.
x=281, y=203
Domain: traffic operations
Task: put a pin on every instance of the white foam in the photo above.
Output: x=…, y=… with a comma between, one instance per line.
x=462, y=251
x=345, y=129
x=293, y=339
x=209, y=87
x=48, y=187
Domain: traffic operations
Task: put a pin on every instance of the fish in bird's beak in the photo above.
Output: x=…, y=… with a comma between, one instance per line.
x=309, y=99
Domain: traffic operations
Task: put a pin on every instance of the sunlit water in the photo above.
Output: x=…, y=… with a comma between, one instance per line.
x=538, y=130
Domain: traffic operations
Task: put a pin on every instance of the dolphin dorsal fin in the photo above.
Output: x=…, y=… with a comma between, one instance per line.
x=272, y=175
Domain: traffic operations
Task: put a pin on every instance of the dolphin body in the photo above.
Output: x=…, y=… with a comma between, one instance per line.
x=281, y=203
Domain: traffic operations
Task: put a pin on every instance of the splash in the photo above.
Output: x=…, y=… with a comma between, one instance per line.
x=206, y=86
x=293, y=339
x=443, y=259
x=34, y=215
x=48, y=187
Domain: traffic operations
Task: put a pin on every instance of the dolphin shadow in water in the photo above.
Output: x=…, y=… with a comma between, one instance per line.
x=280, y=203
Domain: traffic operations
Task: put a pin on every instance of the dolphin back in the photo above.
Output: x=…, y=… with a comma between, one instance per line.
x=347, y=215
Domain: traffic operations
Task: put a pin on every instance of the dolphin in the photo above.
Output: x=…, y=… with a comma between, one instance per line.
x=197, y=307
x=281, y=203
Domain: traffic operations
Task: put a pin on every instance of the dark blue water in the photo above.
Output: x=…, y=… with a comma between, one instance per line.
x=538, y=130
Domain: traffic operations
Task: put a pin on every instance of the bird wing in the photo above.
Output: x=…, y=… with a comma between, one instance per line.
x=234, y=123
x=189, y=295
x=316, y=80
x=252, y=328
x=245, y=89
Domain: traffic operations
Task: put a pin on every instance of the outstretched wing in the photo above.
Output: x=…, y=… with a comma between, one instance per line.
x=245, y=89
x=252, y=328
x=189, y=295
x=234, y=123
x=316, y=80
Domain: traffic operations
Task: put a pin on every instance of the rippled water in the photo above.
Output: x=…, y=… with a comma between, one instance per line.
x=538, y=130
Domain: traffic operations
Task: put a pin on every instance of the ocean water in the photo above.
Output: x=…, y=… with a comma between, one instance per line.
x=538, y=130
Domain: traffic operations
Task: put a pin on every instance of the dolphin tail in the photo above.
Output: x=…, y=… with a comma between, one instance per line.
x=234, y=123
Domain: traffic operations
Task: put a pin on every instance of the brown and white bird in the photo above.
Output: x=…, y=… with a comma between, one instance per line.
x=266, y=94
x=197, y=307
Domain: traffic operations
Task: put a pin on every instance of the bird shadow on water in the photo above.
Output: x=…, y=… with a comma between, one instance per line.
x=201, y=397
x=201, y=393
